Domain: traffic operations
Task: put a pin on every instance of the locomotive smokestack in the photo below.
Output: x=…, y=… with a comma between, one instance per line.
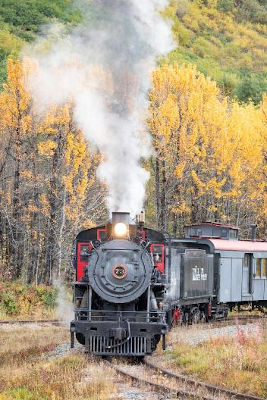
x=253, y=232
x=120, y=217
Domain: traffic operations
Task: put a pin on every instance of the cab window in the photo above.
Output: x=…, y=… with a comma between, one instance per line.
x=84, y=254
x=157, y=254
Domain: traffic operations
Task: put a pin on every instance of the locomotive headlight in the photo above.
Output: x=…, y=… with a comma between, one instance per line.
x=120, y=229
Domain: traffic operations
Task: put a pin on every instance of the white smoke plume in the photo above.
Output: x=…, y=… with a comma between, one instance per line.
x=64, y=310
x=104, y=66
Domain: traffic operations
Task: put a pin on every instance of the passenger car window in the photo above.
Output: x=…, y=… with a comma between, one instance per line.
x=258, y=267
x=264, y=268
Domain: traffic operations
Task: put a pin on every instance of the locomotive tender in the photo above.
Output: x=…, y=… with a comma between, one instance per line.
x=133, y=283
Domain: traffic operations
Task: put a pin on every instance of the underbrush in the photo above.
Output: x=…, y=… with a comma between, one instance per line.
x=26, y=373
x=238, y=363
x=67, y=378
x=28, y=301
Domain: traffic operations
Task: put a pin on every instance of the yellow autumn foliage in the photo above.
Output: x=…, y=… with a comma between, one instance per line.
x=48, y=179
x=210, y=149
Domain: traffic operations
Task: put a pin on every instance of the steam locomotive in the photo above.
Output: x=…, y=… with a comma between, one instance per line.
x=133, y=283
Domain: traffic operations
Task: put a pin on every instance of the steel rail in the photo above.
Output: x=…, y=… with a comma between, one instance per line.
x=245, y=317
x=57, y=321
x=158, y=387
x=242, y=320
x=211, y=388
x=37, y=321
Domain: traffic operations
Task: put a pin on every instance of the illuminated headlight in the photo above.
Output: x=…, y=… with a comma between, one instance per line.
x=120, y=229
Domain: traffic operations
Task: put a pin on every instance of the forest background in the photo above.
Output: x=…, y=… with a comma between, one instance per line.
x=207, y=118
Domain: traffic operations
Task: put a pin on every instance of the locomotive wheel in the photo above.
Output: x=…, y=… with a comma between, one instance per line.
x=155, y=342
x=80, y=338
x=196, y=316
x=202, y=317
x=186, y=318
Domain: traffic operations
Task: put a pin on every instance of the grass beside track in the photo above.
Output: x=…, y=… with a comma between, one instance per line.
x=27, y=374
x=237, y=363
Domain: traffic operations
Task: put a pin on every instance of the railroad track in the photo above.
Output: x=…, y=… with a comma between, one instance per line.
x=157, y=384
x=241, y=317
x=241, y=320
x=211, y=389
x=174, y=386
x=57, y=321
x=37, y=321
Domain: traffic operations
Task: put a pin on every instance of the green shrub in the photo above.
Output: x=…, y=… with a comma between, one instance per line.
x=228, y=83
x=21, y=394
x=49, y=297
x=253, y=11
x=17, y=298
x=225, y=5
x=182, y=34
x=251, y=88
x=9, y=303
x=26, y=17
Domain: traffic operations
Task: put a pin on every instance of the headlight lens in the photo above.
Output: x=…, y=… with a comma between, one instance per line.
x=120, y=229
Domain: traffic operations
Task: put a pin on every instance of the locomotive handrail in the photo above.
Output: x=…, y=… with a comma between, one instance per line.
x=82, y=314
x=121, y=312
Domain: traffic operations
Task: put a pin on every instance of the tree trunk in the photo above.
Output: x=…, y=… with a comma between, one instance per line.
x=157, y=191
x=162, y=215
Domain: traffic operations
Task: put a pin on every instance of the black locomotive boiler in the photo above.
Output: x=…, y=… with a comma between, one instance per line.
x=133, y=283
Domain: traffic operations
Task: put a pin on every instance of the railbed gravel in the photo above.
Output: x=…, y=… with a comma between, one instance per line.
x=64, y=349
x=197, y=334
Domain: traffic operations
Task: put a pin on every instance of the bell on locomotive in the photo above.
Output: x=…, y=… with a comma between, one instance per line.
x=118, y=296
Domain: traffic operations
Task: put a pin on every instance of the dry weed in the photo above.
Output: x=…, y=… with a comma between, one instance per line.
x=20, y=344
x=24, y=375
x=238, y=363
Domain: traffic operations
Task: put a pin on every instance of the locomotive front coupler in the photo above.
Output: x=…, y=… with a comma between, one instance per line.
x=118, y=333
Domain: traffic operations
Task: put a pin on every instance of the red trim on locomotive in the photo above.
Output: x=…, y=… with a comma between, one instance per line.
x=157, y=251
x=83, y=251
x=176, y=316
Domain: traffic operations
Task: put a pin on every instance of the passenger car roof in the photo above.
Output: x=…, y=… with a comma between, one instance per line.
x=218, y=245
x=238, y=245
